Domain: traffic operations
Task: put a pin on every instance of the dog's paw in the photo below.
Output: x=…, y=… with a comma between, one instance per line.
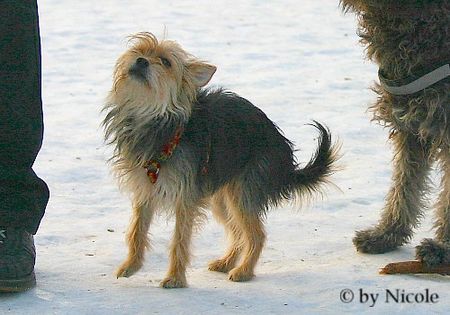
x=433, y=253
x=240, y=275
x=127, y=270
x=220, y=265
x=173, y=282
x=375, y=241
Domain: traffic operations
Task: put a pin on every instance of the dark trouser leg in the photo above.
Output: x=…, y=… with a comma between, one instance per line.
x=23, y=195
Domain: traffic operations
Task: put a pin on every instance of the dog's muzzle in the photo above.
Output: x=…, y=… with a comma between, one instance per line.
x=140, y=69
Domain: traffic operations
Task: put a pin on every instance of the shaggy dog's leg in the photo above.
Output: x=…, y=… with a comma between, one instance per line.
x=220, y=212
x=436, y=252
x=405, y=200
x=185, y=217
x=137, y=240
x=443, y=206
x=253, y=235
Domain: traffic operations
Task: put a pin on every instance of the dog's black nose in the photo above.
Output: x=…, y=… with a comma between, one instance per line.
x=142, y=62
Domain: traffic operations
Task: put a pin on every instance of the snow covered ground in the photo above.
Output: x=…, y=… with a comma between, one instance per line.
x=296, y=60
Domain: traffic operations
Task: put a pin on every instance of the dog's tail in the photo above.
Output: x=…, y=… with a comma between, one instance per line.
x=308, y=181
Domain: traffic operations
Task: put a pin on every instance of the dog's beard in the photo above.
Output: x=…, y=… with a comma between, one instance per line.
x=147, y=96
x=136, y=108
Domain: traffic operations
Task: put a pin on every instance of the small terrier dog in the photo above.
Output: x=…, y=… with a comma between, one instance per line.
x=182, y=148
x=410, y=41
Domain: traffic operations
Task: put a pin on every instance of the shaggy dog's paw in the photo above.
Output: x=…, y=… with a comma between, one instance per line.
x=376, y=241
x=127, y=270
x=433, y=253
x=240, y=275
x=173, y=282
x=220, y=265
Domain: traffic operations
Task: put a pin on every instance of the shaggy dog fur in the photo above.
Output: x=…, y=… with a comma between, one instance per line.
x=229, y=156
x=410, y=38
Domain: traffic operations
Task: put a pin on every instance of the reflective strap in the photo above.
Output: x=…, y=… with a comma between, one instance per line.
x=417, y=85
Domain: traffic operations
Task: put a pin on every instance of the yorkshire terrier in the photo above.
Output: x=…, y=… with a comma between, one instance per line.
x=183, y=148
x=409, y=40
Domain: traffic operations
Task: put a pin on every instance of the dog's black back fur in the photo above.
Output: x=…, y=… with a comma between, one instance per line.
x=236, y=133
x=235, y=141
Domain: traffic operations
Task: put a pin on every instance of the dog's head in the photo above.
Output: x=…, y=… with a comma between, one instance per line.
x=158, y=75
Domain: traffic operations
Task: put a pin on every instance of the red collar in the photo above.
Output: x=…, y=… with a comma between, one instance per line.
x=154, y=165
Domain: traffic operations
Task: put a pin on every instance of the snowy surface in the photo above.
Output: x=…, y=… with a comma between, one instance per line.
x=296, y=60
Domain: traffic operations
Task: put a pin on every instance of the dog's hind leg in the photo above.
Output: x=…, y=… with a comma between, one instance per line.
x=137, y=240
x=443, y=206
x=185, y=218
x=221, y=213
x=405, y=200
x=437, y=251
x=251, y=227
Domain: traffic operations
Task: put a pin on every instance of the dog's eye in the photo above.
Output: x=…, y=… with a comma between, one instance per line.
x=165, y=62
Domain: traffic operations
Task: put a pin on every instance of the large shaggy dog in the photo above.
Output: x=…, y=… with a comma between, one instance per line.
x=410, y=41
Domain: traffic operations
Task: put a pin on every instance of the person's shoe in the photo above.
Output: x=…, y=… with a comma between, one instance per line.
x=17, y=258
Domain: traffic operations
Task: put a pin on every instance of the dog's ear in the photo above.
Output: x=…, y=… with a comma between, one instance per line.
x=201, y=72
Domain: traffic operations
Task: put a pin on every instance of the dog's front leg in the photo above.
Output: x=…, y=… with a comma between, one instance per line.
x=179, y=249
x=137, y=240
x=405, y=200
